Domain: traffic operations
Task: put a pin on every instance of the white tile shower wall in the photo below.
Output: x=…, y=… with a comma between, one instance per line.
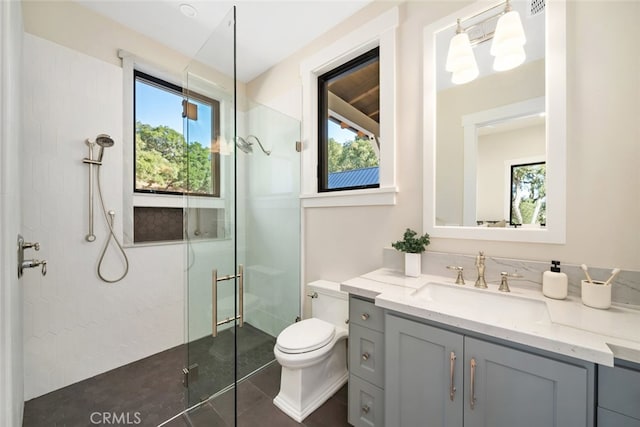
x=77, y=326
x=11, y=344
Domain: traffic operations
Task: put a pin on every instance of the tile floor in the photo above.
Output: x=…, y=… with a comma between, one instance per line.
x=256, y=409
x=152, y=388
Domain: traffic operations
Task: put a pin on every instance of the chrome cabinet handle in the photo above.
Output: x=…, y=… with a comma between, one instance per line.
x=365, y=356
x=473, y=383
x=364, y=316
x=366, y=409
x=452, y=365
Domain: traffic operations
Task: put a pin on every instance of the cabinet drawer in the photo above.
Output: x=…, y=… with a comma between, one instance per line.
x=365, y=313
x=619, y=390
x=366, y=403
x=608, y=418
x=366, y=354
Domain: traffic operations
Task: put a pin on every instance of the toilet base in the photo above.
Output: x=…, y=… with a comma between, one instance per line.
x=304, y=390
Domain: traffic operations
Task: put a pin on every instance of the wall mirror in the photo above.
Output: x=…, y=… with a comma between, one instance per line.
x=495, y=141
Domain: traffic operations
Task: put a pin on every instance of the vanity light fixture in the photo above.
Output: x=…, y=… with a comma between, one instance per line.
x=507, y=45
x=460, y=60
x=508, y=41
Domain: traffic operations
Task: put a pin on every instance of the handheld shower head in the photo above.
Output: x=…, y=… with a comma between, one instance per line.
x=104, y=141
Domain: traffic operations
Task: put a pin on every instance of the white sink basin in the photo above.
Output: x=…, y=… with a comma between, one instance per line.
x=483, y=305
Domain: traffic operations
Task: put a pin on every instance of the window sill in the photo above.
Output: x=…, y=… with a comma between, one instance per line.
x=373, y=197
x=176, y=201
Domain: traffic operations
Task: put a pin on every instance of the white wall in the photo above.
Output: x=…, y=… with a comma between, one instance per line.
x=603, y=150
x=11, y=345
x=77, y=326
x=496, y=152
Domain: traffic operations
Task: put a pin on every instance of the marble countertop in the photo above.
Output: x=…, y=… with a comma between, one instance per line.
x=574, y=329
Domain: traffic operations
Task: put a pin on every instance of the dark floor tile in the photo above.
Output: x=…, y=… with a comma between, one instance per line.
x=332, y=413
x=205, y=416
x=268, y=379
x=265, y=414
x=342, y=395
x=180, y=421
x=248, y=396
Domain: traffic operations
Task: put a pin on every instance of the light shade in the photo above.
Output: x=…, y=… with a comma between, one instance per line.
x=508, y=42
x=460, y=60
x=509, y=58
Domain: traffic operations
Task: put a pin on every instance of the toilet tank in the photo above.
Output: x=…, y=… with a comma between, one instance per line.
x=331, y=305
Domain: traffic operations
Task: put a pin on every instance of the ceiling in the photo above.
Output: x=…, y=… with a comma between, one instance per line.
x=361, y=90
x=267, y=31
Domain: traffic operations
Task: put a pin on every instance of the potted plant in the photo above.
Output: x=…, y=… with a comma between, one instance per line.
x=413, y=246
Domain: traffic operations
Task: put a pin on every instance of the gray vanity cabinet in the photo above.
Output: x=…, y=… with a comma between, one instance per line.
x=495, y=386
x=509, y=387
x=619, y=396
x=366, y=363
x=423, y=375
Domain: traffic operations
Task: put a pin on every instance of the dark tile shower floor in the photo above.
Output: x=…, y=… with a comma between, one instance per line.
x=150, y=390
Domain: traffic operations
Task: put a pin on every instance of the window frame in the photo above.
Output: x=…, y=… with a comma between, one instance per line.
x=215, y=132
x=379, y=31
x=324, y=115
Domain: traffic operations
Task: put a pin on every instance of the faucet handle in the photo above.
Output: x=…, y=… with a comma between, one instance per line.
x=504, y=285
x=459, y=278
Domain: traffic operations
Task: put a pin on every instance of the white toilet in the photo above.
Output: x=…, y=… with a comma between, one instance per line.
x=313, y=353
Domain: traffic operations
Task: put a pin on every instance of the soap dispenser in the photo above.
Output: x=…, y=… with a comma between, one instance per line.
x=554, y=283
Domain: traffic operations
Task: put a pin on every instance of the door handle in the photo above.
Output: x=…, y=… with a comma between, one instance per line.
x=452, y=366
x=473, y=383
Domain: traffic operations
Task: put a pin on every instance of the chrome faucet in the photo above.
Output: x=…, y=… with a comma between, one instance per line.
x=480, y=282
x=504, y=285
x=459, y=277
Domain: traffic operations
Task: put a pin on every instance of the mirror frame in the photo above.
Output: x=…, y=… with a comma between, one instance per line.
x=556, y=134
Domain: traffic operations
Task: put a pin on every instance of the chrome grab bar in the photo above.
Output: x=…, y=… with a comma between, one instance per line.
x=214, y=299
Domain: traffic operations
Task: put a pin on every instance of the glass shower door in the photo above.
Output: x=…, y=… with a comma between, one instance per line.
x=243, y=235
x=214, y=270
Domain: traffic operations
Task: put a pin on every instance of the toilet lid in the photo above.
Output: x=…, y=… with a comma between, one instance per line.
x=306, y=335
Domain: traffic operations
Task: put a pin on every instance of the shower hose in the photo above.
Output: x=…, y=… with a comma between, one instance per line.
x=109, y=218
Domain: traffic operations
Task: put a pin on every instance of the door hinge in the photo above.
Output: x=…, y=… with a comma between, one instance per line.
x=190, y=375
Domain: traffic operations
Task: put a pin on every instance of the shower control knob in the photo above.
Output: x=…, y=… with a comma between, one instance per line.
x=27, y=245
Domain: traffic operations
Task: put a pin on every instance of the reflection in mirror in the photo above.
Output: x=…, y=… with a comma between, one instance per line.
x=480, y=125
x=528, y=194
x=476, y=128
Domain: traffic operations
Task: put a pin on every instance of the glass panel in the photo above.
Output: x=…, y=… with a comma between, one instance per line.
x=254, y=222
x=210, y=222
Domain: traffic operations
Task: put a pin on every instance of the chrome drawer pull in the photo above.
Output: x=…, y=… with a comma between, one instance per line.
x=365, y=356
x=366, y=409
x=452, y=388
x=365, y=316
x=473, y=383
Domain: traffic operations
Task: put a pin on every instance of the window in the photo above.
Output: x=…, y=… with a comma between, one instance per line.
x=379, y=32
x=528, y=194
x=349, y=125
x=173, y=139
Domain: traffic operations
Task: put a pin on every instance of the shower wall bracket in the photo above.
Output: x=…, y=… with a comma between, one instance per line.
x=29, y=263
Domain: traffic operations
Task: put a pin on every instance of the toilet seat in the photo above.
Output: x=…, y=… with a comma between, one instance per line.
x=305, y=336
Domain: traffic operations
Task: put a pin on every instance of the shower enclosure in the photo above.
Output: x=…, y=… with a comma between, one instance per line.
x=242, y=253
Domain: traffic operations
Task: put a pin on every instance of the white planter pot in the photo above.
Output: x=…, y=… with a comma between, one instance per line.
x=412, y=264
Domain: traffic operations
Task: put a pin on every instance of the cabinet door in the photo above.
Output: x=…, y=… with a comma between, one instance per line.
x=516, y=388
x=419, y=375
